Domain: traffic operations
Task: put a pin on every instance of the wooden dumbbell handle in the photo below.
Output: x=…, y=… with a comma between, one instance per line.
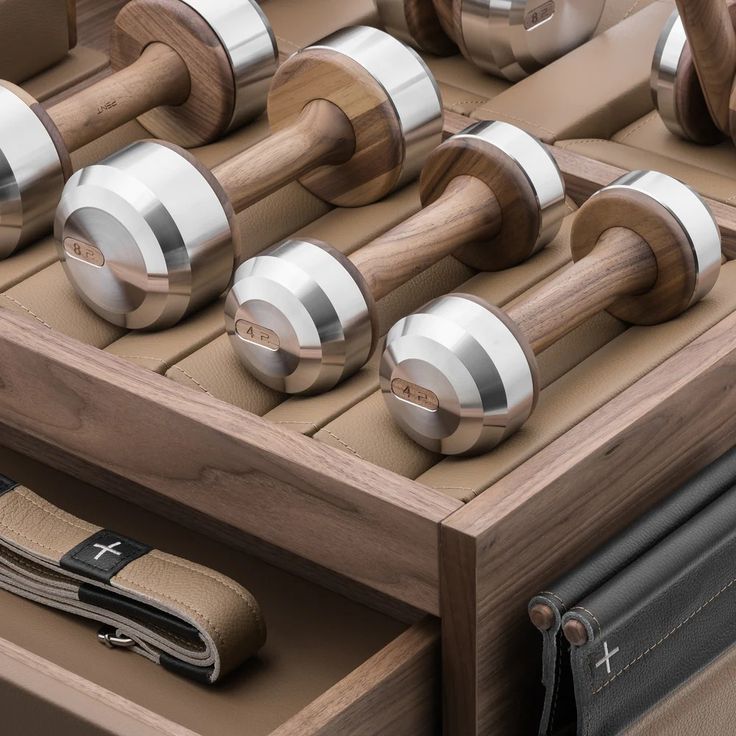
x=621, y=264
x=158, y=77
x=322, y=134
x=465, y=212
x=712, y=39
x=446, y=12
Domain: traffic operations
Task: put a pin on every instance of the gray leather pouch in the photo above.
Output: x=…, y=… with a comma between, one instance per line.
x=613, y=606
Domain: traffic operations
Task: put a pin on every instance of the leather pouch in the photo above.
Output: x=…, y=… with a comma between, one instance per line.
x=34, y=35
x=639, y=600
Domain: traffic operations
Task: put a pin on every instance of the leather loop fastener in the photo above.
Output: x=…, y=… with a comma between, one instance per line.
x=189, y=619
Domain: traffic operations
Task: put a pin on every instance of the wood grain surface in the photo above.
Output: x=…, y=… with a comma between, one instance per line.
x=321, y=135
x=467, y=211
x=551, y=512
x=712, y=41
x=309, y=499
x=158, y=77
x=620, y=264
x=426, y=28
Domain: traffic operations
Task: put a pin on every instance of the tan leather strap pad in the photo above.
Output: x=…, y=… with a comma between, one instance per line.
x=188, y=618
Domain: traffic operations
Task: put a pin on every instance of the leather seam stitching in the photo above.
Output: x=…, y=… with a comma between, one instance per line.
x=56, y=513
x=646, y=120
x=25, y=308
x=591, y=614
x=666, y=636
x=556, y=597
x=191, y=378
x=517, y=119
x=344, y=444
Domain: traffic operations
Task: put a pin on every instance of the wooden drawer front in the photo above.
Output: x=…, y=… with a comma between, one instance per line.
x=330, y=666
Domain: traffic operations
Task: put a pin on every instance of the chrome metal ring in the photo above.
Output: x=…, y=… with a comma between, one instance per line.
x=455, y=377
x=31, y=174
x=247, y=37
x=670, y=46
x=515, y=38
x=408, y=83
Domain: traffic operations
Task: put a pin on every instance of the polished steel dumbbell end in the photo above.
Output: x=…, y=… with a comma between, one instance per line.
x=32, y=170
x=515, y=38
x=391, y=143
x=691, y=232
x=146, y=236
x=524, y=177
x=457, y=377
x=230, y=74
x=676, y=90
x=299, y=317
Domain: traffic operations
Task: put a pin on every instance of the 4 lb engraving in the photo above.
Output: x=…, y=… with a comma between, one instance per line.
x=84, y=252
x=539, y=15
x=414, y=394
x=258, y=335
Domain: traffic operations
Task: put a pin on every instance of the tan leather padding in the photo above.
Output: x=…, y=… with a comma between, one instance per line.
x=594, y=90
x=29, y=522
x=75, y=67
x=704, y=705
x=34, y=35
x=614, y=11
x=316, y=637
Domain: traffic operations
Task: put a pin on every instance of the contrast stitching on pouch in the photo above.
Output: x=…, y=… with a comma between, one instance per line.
x=556, y=597
x=191, y=378
x=592, y=615
x=26, y=309
x=665, y=637
x=343, y=443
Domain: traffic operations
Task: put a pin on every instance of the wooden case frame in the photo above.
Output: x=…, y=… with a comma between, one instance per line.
x=353, y=525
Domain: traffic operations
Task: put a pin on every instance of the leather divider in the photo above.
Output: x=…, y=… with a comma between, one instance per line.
x=594, y=90
x=602, y=372
x=709, y=183
x=202, y=623
x=34, y=35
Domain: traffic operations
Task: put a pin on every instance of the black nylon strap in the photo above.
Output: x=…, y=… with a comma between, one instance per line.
x=6, y=484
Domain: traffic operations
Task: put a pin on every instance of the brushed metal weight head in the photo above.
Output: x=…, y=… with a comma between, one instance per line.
x=457, y=375
x=676, y=90
x=300, y=316
x=34, y=160
x=148, y=236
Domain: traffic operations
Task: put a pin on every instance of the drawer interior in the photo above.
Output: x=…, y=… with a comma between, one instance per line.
x=316, y=637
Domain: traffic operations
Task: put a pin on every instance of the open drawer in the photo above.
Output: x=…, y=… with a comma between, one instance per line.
x=330, y=666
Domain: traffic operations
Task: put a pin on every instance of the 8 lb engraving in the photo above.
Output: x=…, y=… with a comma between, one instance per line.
x=258, y=335
x=84, y=252
x=539, y=15
x=414, y=394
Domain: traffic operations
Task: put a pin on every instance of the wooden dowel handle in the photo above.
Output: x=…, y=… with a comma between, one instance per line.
x=621, y=264
x=712, y=39
x=321, y=135
x=467, y=211
x=158, y=77
x=446, y=14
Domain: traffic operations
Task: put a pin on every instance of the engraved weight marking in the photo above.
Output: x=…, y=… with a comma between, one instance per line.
x=415, y=394
x=105, y=106
x=607, y=656
x=84, y=252
x=539, y=15
x=258, y=335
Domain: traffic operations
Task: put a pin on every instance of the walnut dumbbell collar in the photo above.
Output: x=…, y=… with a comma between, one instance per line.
x=459, y=375
x=148, y=235
x=507, y=38
x=190, y=70
x=301, y=315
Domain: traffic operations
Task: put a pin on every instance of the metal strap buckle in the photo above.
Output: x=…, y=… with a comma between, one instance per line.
x=110, y=637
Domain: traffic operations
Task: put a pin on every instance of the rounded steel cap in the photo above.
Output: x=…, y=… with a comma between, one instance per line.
x=145, y=237
x=456, y=377
x=515, y=38
x=299, y=317
x=31, y=172
x=409, y=85
x=249, y=41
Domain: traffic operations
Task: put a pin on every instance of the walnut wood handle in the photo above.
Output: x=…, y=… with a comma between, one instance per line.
x=158, y=77
x=621, y=264
x=446, y=13
x=712, y=39
x=322, y=134
x=465, y=212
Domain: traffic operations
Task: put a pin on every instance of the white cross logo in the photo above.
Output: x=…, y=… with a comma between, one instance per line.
x=607, y=656
x=104, y=549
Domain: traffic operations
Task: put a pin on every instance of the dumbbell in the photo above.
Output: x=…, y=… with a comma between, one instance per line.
x=676, y=87
x=301, y=316
x=509, y=38
x=460, y=375
x=189, y=70
x=149, y=235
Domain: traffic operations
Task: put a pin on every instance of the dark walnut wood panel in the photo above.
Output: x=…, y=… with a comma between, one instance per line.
x=554, y=510
x=327, y=506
